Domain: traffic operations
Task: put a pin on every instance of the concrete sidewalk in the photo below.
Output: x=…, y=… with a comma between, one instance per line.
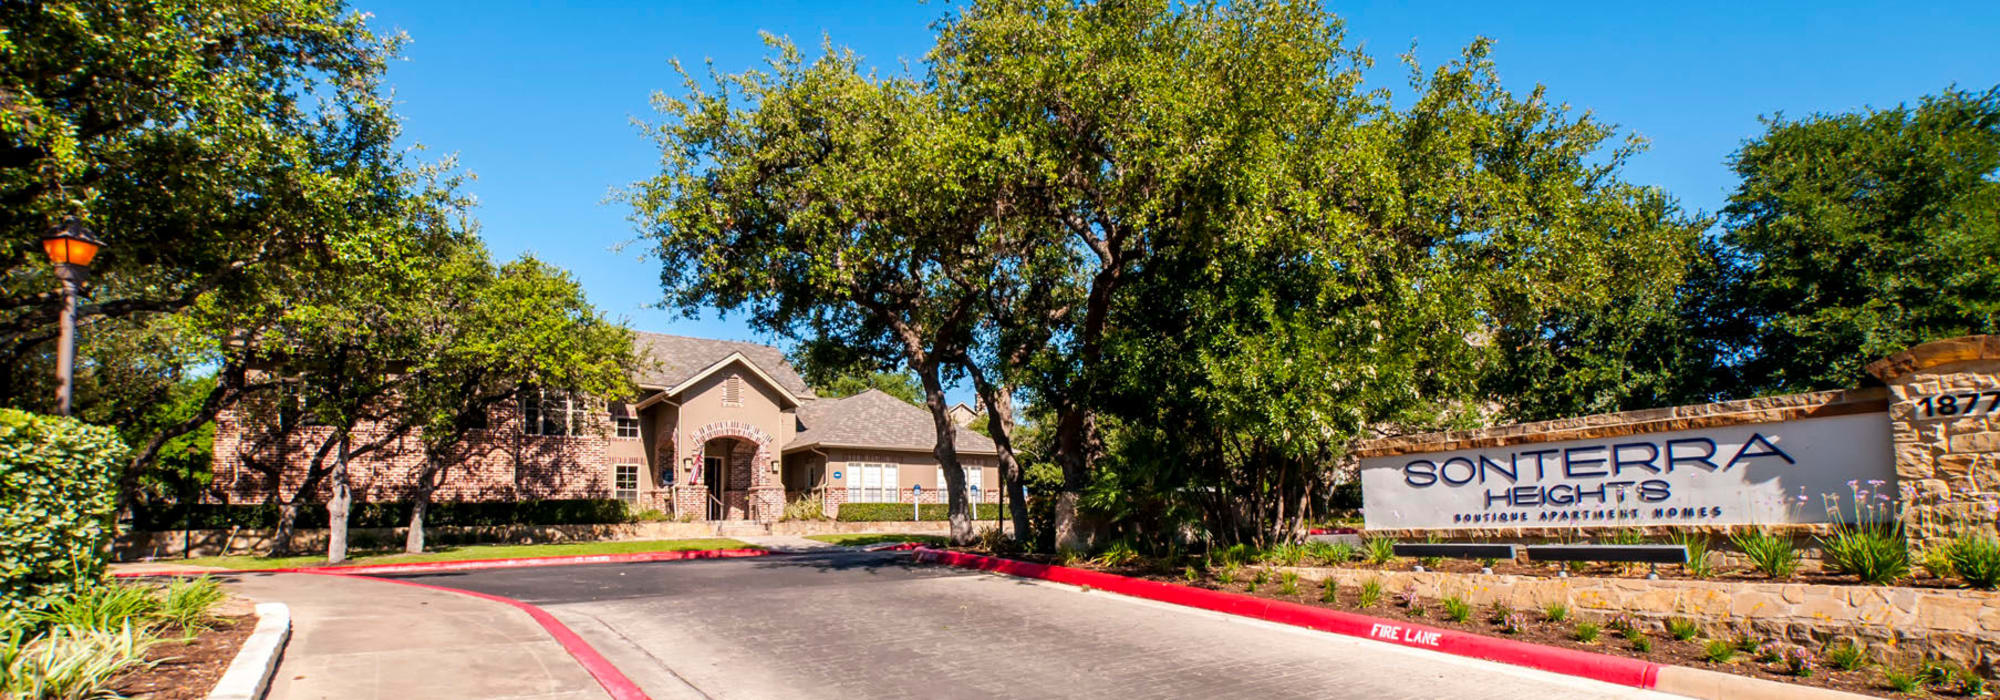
x=363, y=639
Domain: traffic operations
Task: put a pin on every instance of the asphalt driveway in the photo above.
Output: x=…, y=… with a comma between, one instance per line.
x=872, y=625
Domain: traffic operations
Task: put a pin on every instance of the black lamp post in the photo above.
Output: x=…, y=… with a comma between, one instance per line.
x=71, y=248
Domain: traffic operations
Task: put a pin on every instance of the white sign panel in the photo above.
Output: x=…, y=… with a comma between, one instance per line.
x=1747, y=474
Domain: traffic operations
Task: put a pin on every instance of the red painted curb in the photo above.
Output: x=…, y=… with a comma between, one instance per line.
x=600, y=669
x=1610, y=669
x=468, y=564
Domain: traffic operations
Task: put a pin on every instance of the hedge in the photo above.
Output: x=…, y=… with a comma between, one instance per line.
x=59, y=485
x=879, y=512
x=215, y=516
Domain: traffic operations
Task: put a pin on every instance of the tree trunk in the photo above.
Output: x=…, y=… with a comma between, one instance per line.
x=288, y=512
x=1073, y=438
x=999, y=402
x=413, y=542
x=946, y=450
x=337, y=506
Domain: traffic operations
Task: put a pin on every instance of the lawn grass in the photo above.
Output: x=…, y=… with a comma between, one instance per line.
x=857, y=540
x=470, y=552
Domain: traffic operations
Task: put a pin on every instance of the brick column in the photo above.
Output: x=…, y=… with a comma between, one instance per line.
x=1945, y=428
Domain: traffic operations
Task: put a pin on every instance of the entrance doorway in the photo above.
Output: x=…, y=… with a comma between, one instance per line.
x=712, y=472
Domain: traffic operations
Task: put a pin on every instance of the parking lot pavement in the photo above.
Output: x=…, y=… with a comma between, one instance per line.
x=872, y=625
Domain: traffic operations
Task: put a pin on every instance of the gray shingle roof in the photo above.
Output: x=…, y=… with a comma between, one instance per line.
x=878, y=420
x=676, y=358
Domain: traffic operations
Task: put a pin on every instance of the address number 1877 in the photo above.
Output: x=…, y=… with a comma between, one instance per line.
x=1964, y=404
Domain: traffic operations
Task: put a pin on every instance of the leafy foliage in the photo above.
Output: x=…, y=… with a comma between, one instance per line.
x=1773, y=554
x=57, y=478
x=1976, y=558
x=1862, y=234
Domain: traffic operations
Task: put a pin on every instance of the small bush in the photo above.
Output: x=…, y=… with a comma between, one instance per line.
x=1190, y=575
x=1901, y=680
x=1845, y=655
x=1288, y=583
x=806, y=507
x=1876, y=553
x=58, y=493
x=1620, y=623
x=1698, y=563
x=1118, y=553
x=1334, y=552
x=1970, y=683
x=1371, y=593
x=1456, y=609
x=1378, y=550
x=1975, y=558
x=1240, y=554
x=1797, y=660
x=1640, y=642
x=1286, y=554
x=67, y=662
x=1329, y=591
x=1228, y=573
x=1772, y=554
x=1746, y=643
x=1555, y=612
x=900, y=512
x=1937, y=561
x=106, y=608
x=1263, y=576
x=1682, y=629
x=186, y=603
x=1719, y=651
x=1587, y=632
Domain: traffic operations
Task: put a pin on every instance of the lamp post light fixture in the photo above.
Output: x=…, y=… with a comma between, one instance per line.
x=71, y=247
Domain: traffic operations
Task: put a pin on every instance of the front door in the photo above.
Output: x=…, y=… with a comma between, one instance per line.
x=711, y=474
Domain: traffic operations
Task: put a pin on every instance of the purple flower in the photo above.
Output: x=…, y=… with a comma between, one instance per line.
x=1993, y=507
x=1875, y=482
x=1851, y=483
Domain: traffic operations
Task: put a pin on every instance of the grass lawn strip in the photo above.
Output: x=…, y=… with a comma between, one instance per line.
x=474, y=552
x=865, y=539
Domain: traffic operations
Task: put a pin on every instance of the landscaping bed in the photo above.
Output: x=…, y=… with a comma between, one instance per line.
x=1842, y=665
x=187, y=669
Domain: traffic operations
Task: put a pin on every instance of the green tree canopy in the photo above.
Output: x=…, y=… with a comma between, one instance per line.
x=1862, y=234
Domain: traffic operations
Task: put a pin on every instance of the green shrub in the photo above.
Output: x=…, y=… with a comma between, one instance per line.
x=103, y=608
x=1378, y=550
x=1772, y=554
x=186, y=603
x=1228, y=573
x=1901, y=680
x=1682, y=628
x=1190, y=575
x=1720, y=651
x=1698, y=563
x=1556, y=612
x=900, y=512
x=1371, y=593
x=391, y=514
x=1329, y=590
x=1845, y=655
x=58, y=481
x=1874, y=552
x=1288, y=583
x=1587, y=632
x=1637, y=637
x=1118, y=553
x=1975, y=558
x=1937, y=561
x=68, y=662
x=1287, y=554
x=1456, y=609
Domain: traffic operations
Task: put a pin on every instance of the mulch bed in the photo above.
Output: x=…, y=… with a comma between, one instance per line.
x=188, y=670
x=1538, y=630
x=1741, y=574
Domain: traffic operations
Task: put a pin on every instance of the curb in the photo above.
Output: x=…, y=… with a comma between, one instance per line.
x=249, y=674
x=469, y=564
x=607, y=676
x=1617, y=670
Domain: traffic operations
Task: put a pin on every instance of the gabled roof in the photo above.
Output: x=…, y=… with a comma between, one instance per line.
x=734, y=358
x=672, y=360
x=875, y=420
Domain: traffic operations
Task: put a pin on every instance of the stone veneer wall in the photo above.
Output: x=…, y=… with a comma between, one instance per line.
x=1957, y=624
x=1950, y=463
x=1714, y=415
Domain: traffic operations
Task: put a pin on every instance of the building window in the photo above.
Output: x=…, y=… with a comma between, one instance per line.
x=551, y=412
x=628, y=428
x=973, y=477
x=625, y=483
x=294, y=408
x=732, y=391
x=873, y=483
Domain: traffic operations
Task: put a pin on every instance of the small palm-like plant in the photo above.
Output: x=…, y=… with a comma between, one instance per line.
x=1371, y=593
x=1288, y=583
x=1900, y=679
x=1773, y=554
x=1329, y=590
x=1587, y=632
x=1698, y=563
x=1378, y=550
x=1975, y=558
x=1682, y=629
x=1456, y=609
x=1845, y=655
x=1719, y=651
x=1555, y=612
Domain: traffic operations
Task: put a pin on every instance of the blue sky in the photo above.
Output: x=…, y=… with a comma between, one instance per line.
x=537, y=98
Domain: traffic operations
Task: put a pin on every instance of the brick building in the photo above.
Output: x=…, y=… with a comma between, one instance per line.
x=720, y=430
